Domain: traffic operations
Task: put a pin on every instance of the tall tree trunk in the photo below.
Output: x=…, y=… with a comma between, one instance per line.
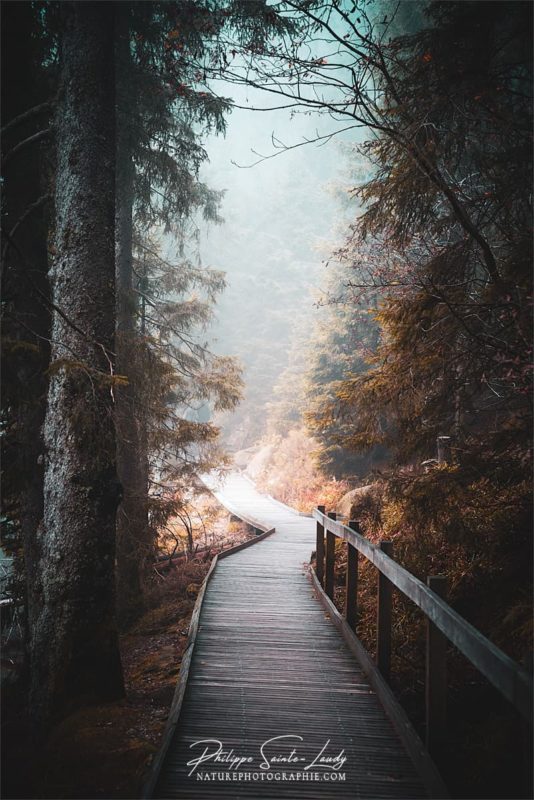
x=132, y=520
x=75, y=655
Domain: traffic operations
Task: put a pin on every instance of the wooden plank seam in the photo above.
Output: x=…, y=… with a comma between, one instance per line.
x=179, y=692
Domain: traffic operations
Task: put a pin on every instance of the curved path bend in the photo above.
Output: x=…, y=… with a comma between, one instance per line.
x=268, y=663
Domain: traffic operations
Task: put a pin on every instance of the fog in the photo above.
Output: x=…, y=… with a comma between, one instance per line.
x=285, y=210
x=281, y=219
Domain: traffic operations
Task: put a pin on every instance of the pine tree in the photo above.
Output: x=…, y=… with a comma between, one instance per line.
x=158, y=156
x=345, y=340
x=74, y=644
x=26, y=204
x=455, y=259
x=448, y=205
x=164, y=107
x=180, y=383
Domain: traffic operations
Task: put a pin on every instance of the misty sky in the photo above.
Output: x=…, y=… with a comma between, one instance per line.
x=280, y=219
x=283, y=218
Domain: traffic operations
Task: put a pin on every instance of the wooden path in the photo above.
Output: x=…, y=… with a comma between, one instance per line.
x=268, y=663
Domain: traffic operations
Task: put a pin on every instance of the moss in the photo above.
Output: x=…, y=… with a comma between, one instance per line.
x=104, y=751
x=96, y=753
x=156, y=619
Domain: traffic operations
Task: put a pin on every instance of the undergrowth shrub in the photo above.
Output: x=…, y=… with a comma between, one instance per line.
x=290, y=474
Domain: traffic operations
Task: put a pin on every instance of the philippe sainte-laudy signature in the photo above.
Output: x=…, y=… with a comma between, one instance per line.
x=273, y=753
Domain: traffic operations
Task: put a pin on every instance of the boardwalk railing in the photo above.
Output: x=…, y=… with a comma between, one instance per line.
x=508, y=677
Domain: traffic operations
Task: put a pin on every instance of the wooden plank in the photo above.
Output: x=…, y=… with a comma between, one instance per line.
x=233, y=509
x=268, y=663
x=319, y=548
x=436, y=677
x=179, y=692
x=351, y=583
x=504, y=674
x=330, y=560
x=383, y=621
x=243, y=545
x=407, y=733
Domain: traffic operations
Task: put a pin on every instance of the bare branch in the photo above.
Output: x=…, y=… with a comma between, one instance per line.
x=31, y=208
x=31, y=112
x=25, y=143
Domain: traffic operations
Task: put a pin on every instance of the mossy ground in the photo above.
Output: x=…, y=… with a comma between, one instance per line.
x=105, y=751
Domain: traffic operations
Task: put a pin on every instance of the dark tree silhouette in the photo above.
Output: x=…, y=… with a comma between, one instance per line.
x=74, y=644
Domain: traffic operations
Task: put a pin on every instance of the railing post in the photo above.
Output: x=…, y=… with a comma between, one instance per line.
x=526, y=734
x=436, y=675
x=330, y=560
x=444, y=449
x=383, y=634
x=351, y=585
x=319, y=549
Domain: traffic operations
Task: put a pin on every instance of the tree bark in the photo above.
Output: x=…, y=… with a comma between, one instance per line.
x=75, y=655
x=132, y=521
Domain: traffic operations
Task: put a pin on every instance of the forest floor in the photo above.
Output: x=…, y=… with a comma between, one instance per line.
x=106, y=751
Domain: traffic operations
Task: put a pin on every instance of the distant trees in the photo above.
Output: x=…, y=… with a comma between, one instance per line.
x=345, y=341
x=290, y=474
x=179, y=382
x=275, y=275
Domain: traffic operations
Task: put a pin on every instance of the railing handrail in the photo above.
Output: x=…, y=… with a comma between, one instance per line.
x=508, y=677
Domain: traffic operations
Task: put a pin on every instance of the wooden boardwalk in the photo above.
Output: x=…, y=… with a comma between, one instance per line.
x=268, y=663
